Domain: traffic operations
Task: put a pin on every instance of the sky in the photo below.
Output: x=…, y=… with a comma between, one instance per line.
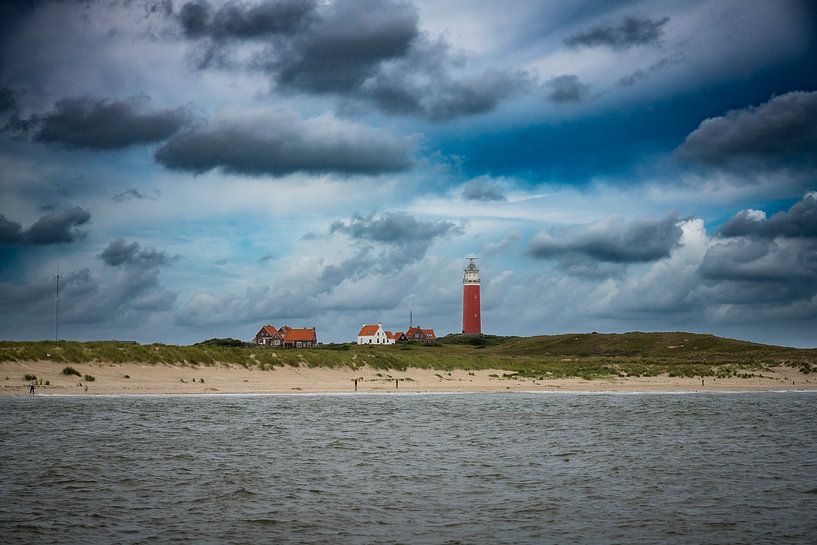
x=195, y=169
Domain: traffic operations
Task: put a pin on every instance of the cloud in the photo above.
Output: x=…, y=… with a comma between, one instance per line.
x=120, y=253
x=399, y=239
x=629, y=32
x=611, y=240
x=346, y=45
x=640, y=75
x=105, y=124
x=55, y=228
x=360, y=51
x=746, y=259
x=566, y=88
x=8, y=101
x=800, y=221
x=124, y=297
x=783, y=128
x=493, y=248
x=11, y=232
x=760, y=260
x=129, y=195
x=482, y=189
x=394, y=227
x=276, y=144
x=235, y=20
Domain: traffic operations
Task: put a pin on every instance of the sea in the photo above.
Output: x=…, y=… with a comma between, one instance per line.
x=521, y=468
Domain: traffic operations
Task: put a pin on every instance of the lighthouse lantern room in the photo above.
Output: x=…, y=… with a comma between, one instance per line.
x=471, y=319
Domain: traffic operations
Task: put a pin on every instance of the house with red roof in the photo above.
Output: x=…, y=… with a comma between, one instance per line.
x=268, y=336
x=373, y=334
x=287, y=337
x=300, y=338
x=419, y=335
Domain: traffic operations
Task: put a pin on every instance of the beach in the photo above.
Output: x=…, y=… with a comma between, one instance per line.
x=135, y=378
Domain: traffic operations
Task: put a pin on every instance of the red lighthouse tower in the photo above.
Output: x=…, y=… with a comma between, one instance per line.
x=471, y=319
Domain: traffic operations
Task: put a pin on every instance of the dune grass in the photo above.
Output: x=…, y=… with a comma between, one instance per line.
x=586, y=355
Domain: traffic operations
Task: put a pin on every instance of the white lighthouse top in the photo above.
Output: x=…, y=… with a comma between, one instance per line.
x=471, y=272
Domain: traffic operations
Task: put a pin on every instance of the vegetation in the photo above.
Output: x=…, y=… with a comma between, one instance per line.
x=586, y=355
x=89, y=378
x=30, y=377
x=228, y=342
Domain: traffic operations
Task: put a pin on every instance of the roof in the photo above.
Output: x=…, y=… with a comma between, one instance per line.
x=390, y=335
x=398, y=334
x=368, y=330
x=293, y=334
x=413, y=330
x=269, y=329
x=429, y=333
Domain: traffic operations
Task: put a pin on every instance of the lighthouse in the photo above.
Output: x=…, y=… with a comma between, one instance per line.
x=471, y=320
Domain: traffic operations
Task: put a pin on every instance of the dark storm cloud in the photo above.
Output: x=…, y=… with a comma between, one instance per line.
x=8, y=101
x=54, y=228
x=126, y=295
x=758, y=261
x=106, y=124
x=640, y=75
x=394, y=227
x=482, y=189
x=611, y=240
x=345, y=46
x=629, y=32
x=119, y=253
x=11, y=232
x=566, y=88
x=783, y=128
x=800, y=221
x=427, y=89
x=128, y=195
x=236, y=20
x=399, y=239
x=746, y=259
x=281, y=144
x=365, y=50
x=10, y=120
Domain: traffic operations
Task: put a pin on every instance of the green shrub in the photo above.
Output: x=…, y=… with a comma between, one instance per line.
x=31, y=377
x=68, y=371
x=48, y=383
x=89, y=378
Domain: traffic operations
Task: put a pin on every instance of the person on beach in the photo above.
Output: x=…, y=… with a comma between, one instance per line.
x=355, y=385
x=31, y=388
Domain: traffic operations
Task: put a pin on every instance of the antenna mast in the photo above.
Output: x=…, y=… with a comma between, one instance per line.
x=57, y=307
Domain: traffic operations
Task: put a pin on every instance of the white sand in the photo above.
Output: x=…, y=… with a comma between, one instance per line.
x=165, y=379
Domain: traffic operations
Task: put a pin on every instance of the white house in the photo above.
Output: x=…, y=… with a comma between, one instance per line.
x=373, y=334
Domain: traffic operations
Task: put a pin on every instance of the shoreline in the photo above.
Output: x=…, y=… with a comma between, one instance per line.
x=142, y=379
x=419, y=393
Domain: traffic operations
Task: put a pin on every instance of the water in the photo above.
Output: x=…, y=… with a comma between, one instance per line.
x=503, y=468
